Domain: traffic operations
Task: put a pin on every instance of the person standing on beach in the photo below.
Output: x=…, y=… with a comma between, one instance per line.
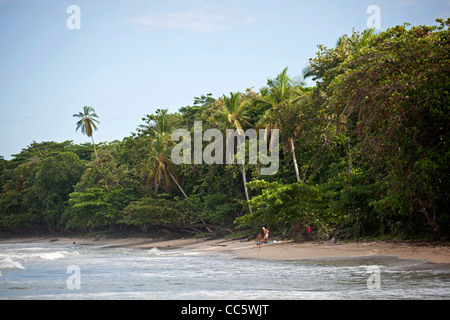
x=259, y=240
x=266, y=234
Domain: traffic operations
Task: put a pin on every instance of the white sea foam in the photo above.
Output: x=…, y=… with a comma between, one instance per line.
x=50, y=255
x=12, y=258
x=27, y=256
x=154, y=251
x=8, y=263
x=171, y=252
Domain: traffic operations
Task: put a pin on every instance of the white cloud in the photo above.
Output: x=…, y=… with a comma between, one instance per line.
x=197, y=20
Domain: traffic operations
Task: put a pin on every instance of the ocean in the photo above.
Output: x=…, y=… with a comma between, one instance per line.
x=52, y=271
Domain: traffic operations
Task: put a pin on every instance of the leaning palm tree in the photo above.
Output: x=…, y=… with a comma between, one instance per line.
x=233, y=112
x=87, y=123
x=160, y=164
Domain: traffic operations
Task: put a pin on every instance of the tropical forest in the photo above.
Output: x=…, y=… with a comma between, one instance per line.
x=364, y=153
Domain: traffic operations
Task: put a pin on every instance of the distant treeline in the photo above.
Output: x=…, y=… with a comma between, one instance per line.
x=364, y=153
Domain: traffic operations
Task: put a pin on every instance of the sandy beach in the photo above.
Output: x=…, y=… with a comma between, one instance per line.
x=287, y=250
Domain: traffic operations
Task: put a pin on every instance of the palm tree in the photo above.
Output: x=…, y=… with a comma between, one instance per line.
x=160, y=163
x=87, y=123
x=234, y=113
x=162, y=122
x=279, y=96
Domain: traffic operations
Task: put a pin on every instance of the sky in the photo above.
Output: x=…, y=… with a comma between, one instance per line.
x=127, y=58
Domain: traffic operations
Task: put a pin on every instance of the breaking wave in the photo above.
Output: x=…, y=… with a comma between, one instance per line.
x=14, y=259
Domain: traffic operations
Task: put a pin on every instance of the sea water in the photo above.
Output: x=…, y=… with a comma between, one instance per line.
x=70, y=271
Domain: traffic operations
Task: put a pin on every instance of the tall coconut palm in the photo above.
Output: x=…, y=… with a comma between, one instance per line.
x=233, y=111
x=87, y=123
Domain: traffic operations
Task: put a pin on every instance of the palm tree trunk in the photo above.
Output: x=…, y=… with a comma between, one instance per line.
x=176, y=182
x=244, y=177
x=350, y=165
x=294, y=159
x=95, y=150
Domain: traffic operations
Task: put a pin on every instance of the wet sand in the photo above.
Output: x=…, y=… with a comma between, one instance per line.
x=285, y=250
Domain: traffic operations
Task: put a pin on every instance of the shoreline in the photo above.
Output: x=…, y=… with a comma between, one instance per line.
x=281, y=250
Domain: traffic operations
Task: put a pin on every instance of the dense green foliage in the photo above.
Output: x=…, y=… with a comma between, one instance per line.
x=363, y=153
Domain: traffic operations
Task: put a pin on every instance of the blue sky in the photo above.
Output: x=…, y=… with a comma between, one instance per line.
x=130, y=57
